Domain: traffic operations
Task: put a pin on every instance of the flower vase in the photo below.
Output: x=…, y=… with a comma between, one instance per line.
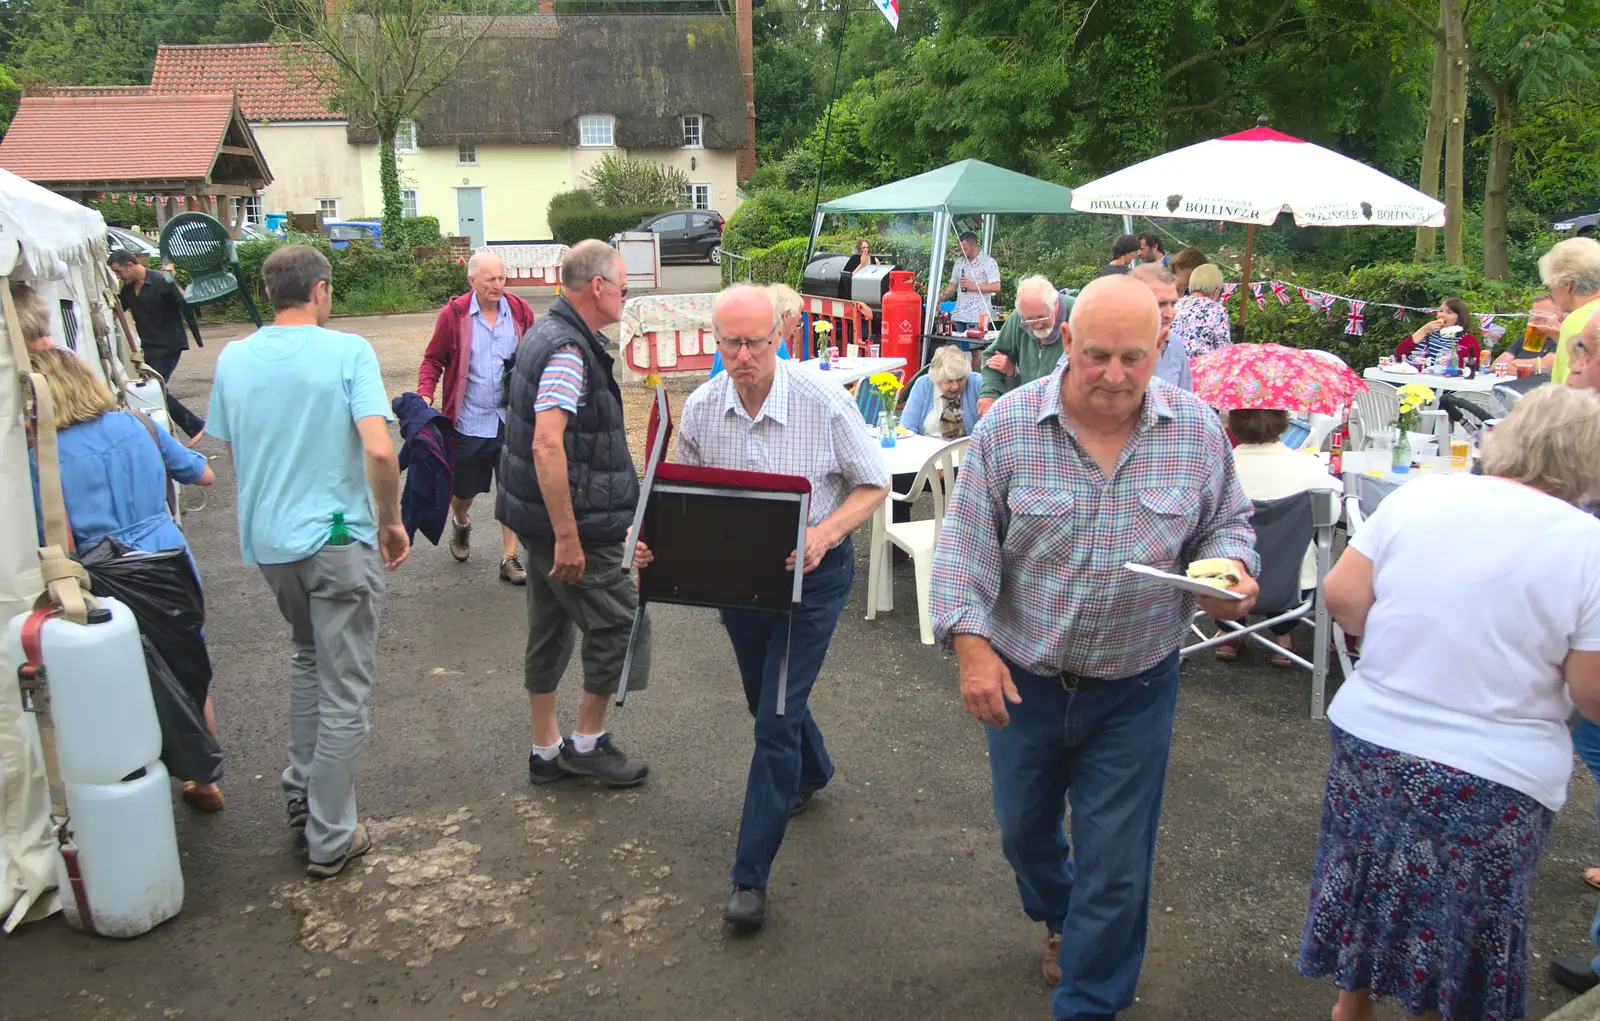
x=1400, y=461
x=887, y=424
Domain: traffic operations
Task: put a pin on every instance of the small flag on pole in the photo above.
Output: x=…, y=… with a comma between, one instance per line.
x=891, y=10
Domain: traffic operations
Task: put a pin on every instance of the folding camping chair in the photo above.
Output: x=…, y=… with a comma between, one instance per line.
x=1284, y=528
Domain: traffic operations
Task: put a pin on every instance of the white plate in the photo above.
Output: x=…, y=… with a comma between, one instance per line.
x=1178, y=581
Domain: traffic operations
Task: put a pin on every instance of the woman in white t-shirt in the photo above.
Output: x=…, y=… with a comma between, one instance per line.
x=1450, y=753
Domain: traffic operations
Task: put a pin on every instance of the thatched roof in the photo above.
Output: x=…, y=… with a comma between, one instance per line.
x=530, y=79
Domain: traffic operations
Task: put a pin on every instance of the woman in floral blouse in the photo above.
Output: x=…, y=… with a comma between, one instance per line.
x=1202, y=323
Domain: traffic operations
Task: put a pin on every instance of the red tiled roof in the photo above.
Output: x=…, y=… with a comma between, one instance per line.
x=116, y=138
x=269, y=86
x=68, y=91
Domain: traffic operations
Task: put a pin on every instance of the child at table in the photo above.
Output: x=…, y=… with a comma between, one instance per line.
x=1433, y=343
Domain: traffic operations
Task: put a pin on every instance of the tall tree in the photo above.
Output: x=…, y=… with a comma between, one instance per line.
x=1432, y=145
x=381, y=59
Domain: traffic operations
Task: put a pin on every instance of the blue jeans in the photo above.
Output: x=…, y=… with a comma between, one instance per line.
x=1102, y=747
x=790, y=758
x=1586, y=742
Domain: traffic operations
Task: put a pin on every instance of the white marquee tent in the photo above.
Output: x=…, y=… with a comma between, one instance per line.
x=59, y=247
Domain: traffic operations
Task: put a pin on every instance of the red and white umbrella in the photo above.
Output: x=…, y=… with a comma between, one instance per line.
x=1252, y=177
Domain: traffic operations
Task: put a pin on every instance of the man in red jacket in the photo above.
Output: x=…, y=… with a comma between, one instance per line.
x=474, y=340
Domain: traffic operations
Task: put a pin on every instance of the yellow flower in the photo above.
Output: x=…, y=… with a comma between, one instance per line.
x=886, y=383
x=1414, y=394
x=822, y=326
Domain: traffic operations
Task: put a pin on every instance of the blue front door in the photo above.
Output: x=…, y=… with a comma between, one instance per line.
x=469, y=215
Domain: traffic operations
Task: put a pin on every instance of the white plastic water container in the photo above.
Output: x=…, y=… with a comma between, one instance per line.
x=105, y=717
x=127, y=853
x=146, y=395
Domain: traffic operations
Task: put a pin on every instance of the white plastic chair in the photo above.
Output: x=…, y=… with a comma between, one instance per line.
x=916, y=538
x=1377, y=407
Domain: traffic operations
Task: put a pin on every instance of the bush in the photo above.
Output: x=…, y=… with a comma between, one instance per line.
x=619, y=181
x=421, y=231
x=575, y=223
x=366, y=279
x=125, y=211
x=766, y=218
x=439, y=280
x=567, y=203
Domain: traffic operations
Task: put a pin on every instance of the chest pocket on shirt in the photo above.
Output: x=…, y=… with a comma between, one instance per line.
x=1167, y=517
x=1041, y=525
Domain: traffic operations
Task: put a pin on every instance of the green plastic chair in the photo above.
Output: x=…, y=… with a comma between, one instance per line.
x=200, y=246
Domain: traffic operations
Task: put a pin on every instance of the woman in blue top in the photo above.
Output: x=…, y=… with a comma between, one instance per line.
x=944, y=401
x=114, y=480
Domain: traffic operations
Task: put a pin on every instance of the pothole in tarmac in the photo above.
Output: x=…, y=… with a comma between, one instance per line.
x=421, y=892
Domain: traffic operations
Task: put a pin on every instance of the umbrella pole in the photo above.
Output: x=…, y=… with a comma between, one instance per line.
x=1249, y=251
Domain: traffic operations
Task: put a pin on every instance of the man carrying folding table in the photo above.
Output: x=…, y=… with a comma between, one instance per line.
x=763, y=415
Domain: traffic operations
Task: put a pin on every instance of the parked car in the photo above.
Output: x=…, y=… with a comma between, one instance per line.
x=120, y=239
x=342, y=232
x=693, y=234
x=253, y=232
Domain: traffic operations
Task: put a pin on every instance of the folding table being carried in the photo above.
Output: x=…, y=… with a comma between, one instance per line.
x=720, y=538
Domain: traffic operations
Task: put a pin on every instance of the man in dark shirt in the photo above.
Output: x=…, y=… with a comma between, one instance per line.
x=1123, y=251
x=157, y=308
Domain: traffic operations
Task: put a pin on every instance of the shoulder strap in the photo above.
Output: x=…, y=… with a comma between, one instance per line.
x=150, y=427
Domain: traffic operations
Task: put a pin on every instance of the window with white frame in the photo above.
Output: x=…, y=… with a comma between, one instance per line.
x=252, y=209
x=408, y=202
x=597, y=131
x=699, y=196
x=691, y=131
x=329, y=208
x=467, y=154
x=405, y=137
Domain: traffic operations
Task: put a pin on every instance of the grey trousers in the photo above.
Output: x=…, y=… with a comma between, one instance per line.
x=331, y=601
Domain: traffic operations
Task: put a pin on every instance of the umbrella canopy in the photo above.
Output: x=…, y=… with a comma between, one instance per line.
x=1251, y=177
x=1271, y=376
x=964, y=188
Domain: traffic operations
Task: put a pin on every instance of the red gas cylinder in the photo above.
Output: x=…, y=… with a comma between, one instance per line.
x=902, y=321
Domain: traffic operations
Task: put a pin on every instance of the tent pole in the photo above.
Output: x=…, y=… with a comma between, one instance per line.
x=1249, y=251
x=941, y=239
x=988, y=232
x=816, y=232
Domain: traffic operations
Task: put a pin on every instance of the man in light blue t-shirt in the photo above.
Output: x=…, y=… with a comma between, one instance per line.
x=305, y=416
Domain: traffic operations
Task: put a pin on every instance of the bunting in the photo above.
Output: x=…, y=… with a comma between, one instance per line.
x=1255, y=291
x=1400, y=314
x=1280, y=292
x=1227, y=292
x=1356, y=321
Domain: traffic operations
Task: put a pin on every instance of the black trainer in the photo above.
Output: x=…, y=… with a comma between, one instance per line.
x=802, y=802
x=298, y=813
x=547, y=770
x=1574, y=972
x=607, y=763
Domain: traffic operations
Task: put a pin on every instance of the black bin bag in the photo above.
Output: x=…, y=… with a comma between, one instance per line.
x=164, y=594
x=188, y=748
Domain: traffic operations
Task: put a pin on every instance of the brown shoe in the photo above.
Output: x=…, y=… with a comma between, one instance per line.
x=1052, y=947
x=1228, y=651
x=511, y=570
x=204, y=800
x=460, y=540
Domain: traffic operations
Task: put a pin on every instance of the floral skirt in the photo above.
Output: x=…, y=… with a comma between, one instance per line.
x=1422, y=884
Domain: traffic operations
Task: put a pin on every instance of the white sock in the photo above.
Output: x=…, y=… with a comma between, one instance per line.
x=548, y=752
x=584, y=743
x=462, y=524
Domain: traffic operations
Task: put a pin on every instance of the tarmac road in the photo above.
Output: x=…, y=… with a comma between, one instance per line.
x=486, y=897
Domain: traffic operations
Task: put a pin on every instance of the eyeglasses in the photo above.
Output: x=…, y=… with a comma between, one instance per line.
x=622, y=289
x=1041, y=321
x=730, y=345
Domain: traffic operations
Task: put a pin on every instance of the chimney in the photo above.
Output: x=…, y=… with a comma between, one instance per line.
x=547, y=6
x=742, y=23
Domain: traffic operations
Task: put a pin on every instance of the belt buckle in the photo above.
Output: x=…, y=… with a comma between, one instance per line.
x=1071, y=681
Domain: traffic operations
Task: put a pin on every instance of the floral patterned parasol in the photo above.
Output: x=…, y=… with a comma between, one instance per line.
x=1267, y=376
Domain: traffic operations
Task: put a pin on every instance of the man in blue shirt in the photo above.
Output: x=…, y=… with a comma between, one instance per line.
x=305, y=416
x=1172, y=364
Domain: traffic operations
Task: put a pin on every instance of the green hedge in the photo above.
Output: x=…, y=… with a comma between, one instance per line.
x=366, y=279
x=573, y=216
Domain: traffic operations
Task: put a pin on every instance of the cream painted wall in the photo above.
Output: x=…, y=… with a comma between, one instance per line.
x=310, y=161
x=518, y=182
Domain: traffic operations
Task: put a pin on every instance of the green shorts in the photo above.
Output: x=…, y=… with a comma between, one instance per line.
x=601, y=605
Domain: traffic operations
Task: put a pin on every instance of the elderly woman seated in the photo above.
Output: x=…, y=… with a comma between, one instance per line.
x=944, y=401
x=1268, y=470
